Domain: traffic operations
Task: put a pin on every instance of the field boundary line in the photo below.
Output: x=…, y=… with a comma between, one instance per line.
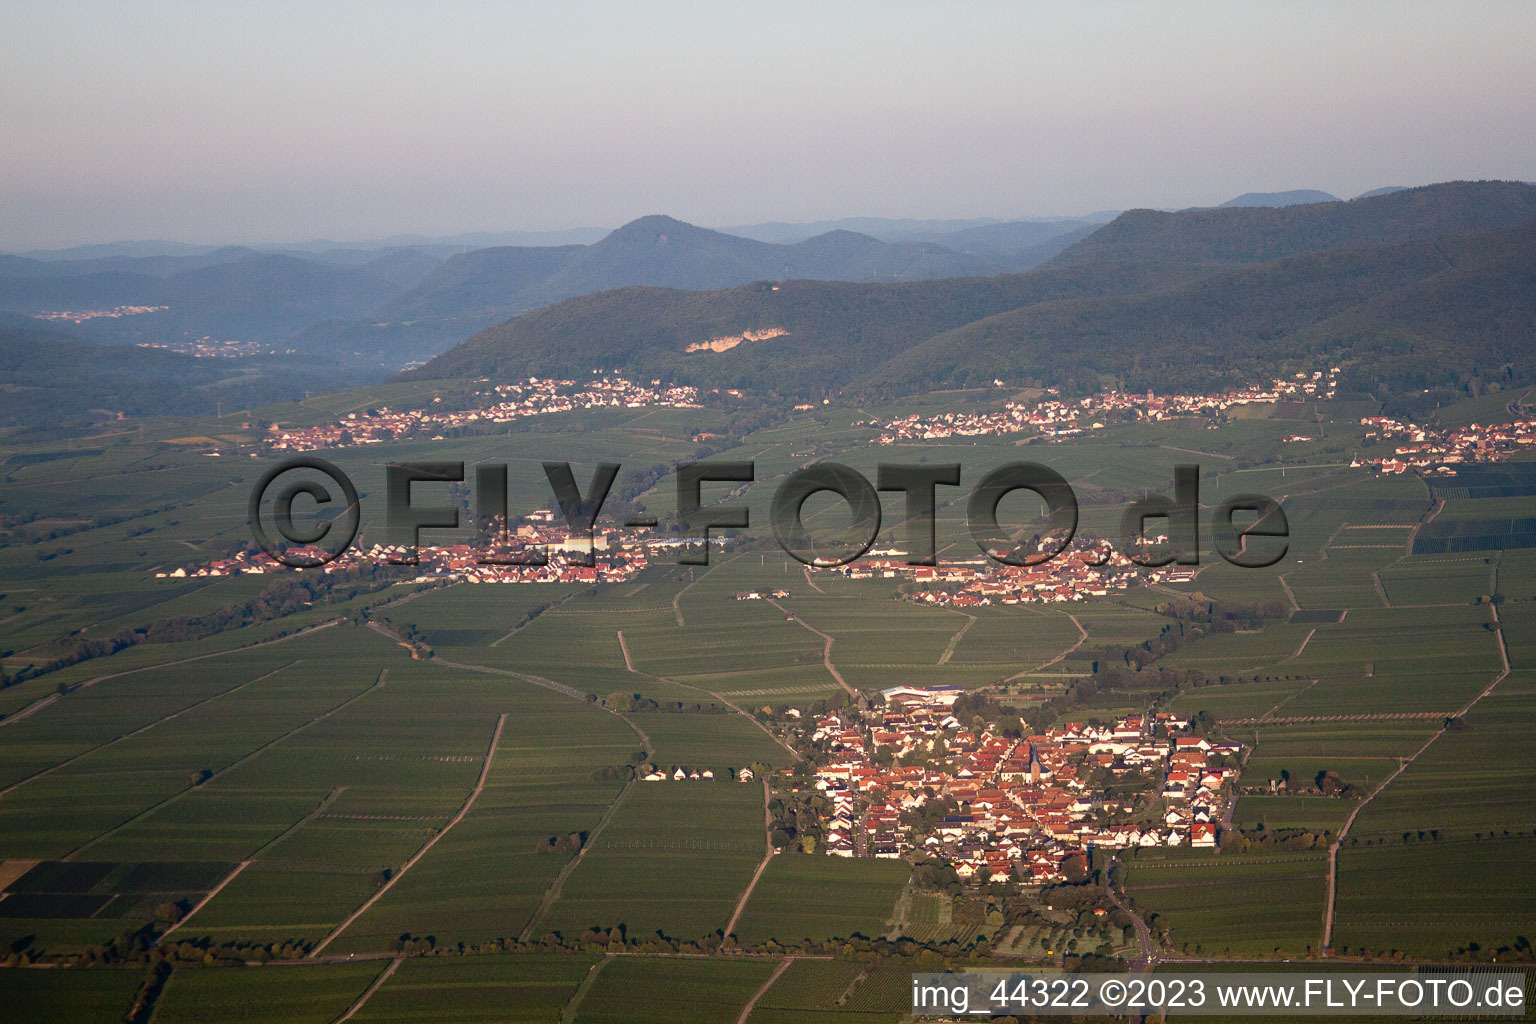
x=325, y=802
x=38, y=705
x=548, y=684
x=741, y=904
x=374, y=986
x=736, y=708
x=1081, y=639
x=1290, y=595
x=949, y=651
x=1338, y=842
x=255, y=856
x=1270, y=714
x=206, y=898
x=1304, y=641
x=1196, y=451
x=1436, y=506
x=826, y=652
x=746, y=1011
x=1384, y=716
x=145, y=728
x=677, y=609
x=377, y=682
x=568, y=1014
x=557, y=884
x=509, y=634
x=485, y=771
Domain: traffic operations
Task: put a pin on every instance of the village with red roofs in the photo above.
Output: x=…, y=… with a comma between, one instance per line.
x=907, y=778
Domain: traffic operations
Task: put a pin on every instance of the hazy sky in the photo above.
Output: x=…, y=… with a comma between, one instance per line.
x=221, y=122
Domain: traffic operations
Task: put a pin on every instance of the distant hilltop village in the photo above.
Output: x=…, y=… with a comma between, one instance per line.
x=1054, y=418
x=504, y=403
x=1439, y=451
x=80, y=316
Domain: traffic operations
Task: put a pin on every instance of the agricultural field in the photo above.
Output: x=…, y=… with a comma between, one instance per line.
x=530, y=989
x=637, y=990
x=1013, y=639
x=674, y=858
x=1329, y=741
x=723, y=741
x=267, y=995
x=1239, y=700
x=284, y=787
x=1247, y=905
x=1467, y=891
x=97, y=996
x=1452, y=579
x=811, y=897
x=1244, y=653
x=937, y=918
x=1365, y=773
x=818, y=991
x=1318, y=813
x=886, y=988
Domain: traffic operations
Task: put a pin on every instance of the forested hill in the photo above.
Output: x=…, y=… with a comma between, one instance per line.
x=53, y=378
x=1251, y=234
x=1400, y=317
x=668, y=253
x=1428, y=287
x=832, y=332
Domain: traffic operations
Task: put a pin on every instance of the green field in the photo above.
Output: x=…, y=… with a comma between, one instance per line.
x=305, y=772
x=97, y=996
x=820, y=991
x=291, y=995
x=813, y=897
x=1215, y=907
x=678, y=856
x=530, y=989
x=635, y=990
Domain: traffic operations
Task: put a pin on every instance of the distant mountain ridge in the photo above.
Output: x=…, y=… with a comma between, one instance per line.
x=1151, y=300
x=1368, y=307
x=1295, y=197
x=54, y=378
x=959, y=235
x=834, y=330
x=664, y=252
x=387, y=307
x=250, y=297
x=474, y=290
x=857, y=311
x=1253, y=234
